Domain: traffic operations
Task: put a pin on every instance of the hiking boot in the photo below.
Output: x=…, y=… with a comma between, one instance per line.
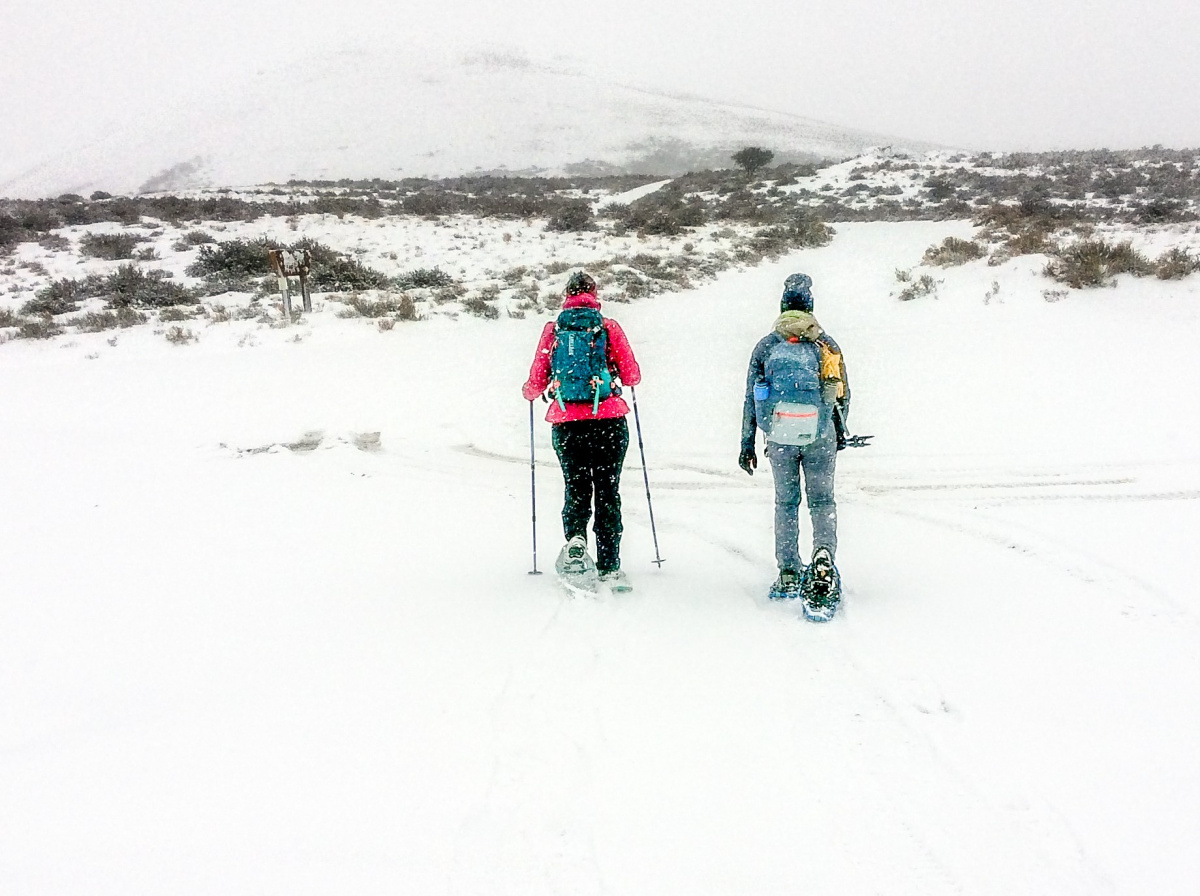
x=576, y=559
x=822, y=587
x=787, y=586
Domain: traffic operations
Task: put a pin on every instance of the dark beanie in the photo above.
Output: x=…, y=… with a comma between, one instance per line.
x=578, y=283
x=797, y=293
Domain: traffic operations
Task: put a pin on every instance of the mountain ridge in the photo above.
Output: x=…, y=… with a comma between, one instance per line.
x=353, y=113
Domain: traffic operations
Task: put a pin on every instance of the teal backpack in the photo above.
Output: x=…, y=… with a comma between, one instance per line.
x=579, y=360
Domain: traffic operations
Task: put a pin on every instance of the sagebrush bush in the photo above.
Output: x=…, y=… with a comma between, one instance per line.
x=1092, y=263
x=55, y=242
x=924, y=285
x=57, y=297
x=130, y=287
x=192, y=239
x=345, y=275
x=9, y=318
x=109, y=246
x=98, y=321
x=401, y=307
x=424, y=278
x=952, y=252
x=573, y=216
x=480, y=307
x=197, y=238
x=1175, y=263
x=42, y=327
x=180, y=336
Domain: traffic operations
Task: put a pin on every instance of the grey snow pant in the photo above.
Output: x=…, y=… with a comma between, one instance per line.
x=817, y=462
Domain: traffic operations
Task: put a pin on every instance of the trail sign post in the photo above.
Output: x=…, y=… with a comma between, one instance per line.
x=289, y=266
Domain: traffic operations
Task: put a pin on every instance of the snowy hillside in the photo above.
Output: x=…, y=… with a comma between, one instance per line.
x=245, y=647
x=419, y=112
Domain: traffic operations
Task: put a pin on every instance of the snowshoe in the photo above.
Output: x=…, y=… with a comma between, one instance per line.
x=787, y=586
x=617, y=580
x=576, y=570
x=821, y=589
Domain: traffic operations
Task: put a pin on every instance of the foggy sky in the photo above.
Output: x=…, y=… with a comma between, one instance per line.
x=1012, y=74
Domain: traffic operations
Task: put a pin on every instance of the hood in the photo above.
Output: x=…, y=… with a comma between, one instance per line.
x=582, y=300
x=798, y=325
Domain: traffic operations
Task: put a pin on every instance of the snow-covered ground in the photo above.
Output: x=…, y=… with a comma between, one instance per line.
x=234, y=670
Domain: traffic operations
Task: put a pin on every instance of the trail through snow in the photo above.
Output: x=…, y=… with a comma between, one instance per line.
x=328, y=671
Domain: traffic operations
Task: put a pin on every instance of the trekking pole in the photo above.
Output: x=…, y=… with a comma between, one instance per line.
x=645, y=475
x=533, y=491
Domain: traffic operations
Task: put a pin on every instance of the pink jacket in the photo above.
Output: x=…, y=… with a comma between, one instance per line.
x=620, y=361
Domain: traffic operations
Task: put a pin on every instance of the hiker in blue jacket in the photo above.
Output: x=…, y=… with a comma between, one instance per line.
x=798, y=394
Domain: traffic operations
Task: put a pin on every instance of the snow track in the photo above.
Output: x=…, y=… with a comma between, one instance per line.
x=324, y=669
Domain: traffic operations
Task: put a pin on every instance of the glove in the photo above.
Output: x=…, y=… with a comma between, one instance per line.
x=747, y=460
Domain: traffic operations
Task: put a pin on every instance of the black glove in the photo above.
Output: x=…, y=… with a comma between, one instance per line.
x=747, y=460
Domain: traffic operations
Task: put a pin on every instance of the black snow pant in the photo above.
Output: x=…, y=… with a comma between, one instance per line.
x=591, y=453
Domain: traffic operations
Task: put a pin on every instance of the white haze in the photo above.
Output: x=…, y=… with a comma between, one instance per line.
x=1026, y=75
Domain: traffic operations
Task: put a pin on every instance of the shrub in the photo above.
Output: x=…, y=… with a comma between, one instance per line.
x=406, y=308
x=953, y=251
x=180, y=336
x=110, y=246
x=1031, y=241
x=58, y=297
x=924, y=285
x=1091, y=263
x=55, y=242
x=345, y=275
x=129, y=287
x=198, y=238
x=402, y=307
x=573, y=216
x=424, y=278
x=1175, y=264
x=12, y=231
x=173, y=313
x=39, y=328
x=480, y=307
x=9, y=318
x=232, y=260
x=98, y=321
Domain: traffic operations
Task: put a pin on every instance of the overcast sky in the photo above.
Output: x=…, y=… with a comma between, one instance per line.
x=1007, y=74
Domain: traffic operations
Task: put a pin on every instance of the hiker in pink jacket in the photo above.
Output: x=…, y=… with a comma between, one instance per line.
x=588, y=428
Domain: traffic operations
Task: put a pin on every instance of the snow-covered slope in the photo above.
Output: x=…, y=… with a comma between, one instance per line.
x=233, y=666
x=422, y=112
